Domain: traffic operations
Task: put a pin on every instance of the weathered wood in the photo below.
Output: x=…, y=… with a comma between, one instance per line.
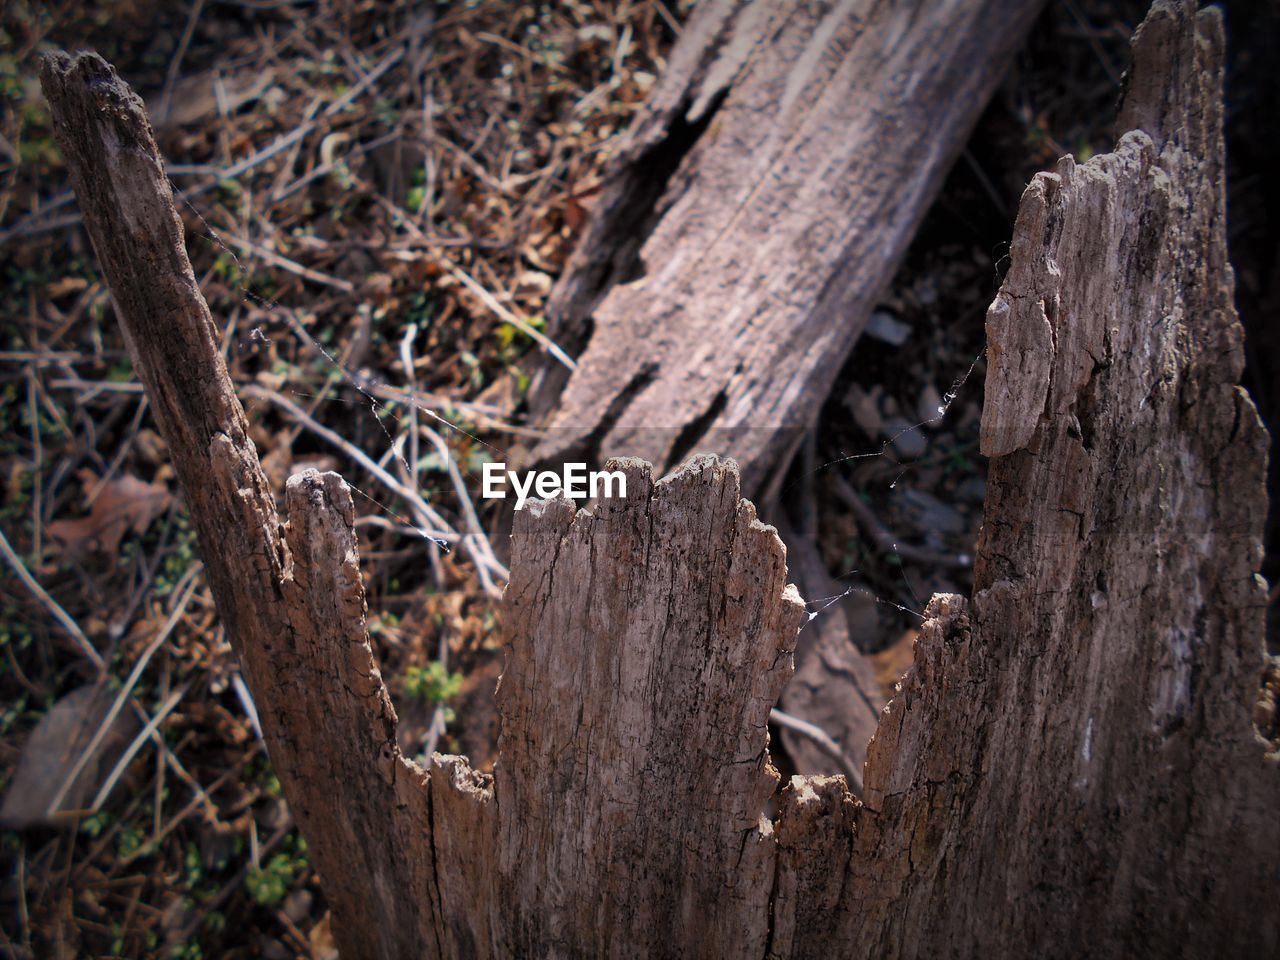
x=647, y=643
x=1070, y=767
x=754, y=213
x=291, y=600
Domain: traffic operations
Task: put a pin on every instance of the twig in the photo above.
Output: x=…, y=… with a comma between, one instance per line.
x=36, y=223
x=126, y=758
x=823, y=742
x=95, y=387
x=326, y=168
x=232, y=885
x=130, y=435
x=482, y=414
x=64, y=618
x=490, y=301
x=883, y=539
x=667, y=18
x=437, y=527
x=406, y=359
x=37, y=466
x=246, y=702
x=171, y=76
x=116, y=706
x=410, y=374
x=24, y=919
x=203, y=798
x=292, y=266
x=1108, y=67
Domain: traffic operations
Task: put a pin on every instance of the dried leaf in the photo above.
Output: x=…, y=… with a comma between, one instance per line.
x=52, y=751
x=123, y=503
x=895, y=660
x=196, y=98
x=323, y=946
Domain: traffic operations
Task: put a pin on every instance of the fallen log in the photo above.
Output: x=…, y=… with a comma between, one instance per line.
x=1071, y=766
x=755, y=211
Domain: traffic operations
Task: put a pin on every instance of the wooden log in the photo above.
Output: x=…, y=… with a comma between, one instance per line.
x=758, y=206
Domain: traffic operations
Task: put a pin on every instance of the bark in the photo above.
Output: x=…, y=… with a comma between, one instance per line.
x=756, y=209
x=1070, y=768
x=648, y=643
x=291, y=599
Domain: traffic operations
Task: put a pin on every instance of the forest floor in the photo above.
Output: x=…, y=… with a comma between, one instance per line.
x=377, y=197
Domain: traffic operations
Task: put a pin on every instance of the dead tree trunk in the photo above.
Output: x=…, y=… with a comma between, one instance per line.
x=1069, y=768
x=756, y=210
x=291, y=598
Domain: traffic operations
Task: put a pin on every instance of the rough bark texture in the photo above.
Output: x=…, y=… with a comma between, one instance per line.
x=758, y=206
x=647, y=644
x=1070, y=768
x=291, y=600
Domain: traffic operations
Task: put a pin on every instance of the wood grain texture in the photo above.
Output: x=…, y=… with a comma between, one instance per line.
x=648, y=641
x=291, y=599
x=755, y=211
x=1070, y=767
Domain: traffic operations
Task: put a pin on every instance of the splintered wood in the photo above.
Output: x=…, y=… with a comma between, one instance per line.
x=1070, y=767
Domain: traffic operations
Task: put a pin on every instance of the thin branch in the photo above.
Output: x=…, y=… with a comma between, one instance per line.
x=109, y=719
x=437, y=527
x=145, y=734
x=884, y=540
x=823, y=742
x=490, y=301
x=64, y=618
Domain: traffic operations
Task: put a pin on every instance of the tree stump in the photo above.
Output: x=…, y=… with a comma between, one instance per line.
x=1071, y=766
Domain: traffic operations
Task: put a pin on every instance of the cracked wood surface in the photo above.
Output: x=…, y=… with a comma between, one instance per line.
x=1069, y=768
x=291, y=599
x=755, y=211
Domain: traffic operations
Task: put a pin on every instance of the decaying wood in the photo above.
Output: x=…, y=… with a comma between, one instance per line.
x=757, y=208
x=291, y=599
x=647, y=644
x=1070, y=767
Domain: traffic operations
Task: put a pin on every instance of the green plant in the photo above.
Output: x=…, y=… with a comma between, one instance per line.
x=432, y=683
x=179, y=557
x=269, y=883
x=94, y=824
x=131, y=841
